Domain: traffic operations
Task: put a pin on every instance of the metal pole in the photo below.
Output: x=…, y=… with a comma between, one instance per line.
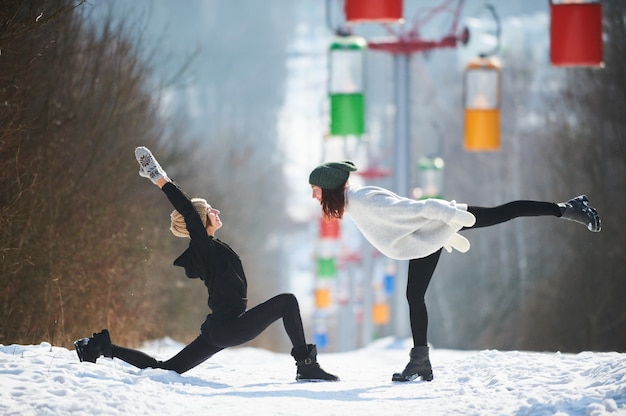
x=400, y=309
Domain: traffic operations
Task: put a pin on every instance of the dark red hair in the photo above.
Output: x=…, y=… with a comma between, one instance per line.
x=333, y=202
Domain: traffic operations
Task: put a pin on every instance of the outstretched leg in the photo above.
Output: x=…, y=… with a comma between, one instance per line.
x=90, y=349
x=192, y=355
x=576, y=209
x=488, y=216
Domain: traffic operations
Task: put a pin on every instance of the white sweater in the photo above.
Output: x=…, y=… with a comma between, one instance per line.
x=403, y=228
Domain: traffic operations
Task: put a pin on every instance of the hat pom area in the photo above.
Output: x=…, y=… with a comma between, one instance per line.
x=345, y=165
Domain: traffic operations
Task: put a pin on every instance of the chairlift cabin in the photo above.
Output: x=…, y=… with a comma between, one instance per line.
x=326, y=275
x=482, y=80
x=576, y=33
x=430, y=173
x=381, y=313
x=373, y=11
x=329, y=229
x=346, y=85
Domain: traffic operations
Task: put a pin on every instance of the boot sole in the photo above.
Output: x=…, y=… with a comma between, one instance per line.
x=399, y=378
x=314, y=380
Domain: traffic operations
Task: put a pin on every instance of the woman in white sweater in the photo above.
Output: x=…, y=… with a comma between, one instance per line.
x=407, y=229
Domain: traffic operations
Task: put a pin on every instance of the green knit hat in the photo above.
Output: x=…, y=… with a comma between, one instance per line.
x=331, y=175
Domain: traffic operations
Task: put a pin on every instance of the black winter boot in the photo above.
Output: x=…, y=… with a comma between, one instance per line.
x=578, y=210
x=89, y=349
x=418, y=366
x=308, y=368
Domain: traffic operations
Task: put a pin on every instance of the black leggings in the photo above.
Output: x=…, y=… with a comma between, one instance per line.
x=227, y=333
x=421, y=270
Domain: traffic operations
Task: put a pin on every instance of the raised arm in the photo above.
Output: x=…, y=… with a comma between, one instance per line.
x=150, y=168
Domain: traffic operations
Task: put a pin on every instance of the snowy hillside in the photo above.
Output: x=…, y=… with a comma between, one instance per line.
x=45, y=380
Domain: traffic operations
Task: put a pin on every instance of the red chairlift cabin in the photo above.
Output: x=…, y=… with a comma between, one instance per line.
x=373, y=11
x=576, y=33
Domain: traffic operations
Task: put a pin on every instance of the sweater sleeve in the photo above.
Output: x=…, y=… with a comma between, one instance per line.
x=403, y=228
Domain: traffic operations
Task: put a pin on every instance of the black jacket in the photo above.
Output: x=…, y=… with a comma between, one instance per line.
x=211, y=260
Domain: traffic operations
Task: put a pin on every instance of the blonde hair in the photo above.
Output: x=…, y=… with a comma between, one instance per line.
x=178, y=226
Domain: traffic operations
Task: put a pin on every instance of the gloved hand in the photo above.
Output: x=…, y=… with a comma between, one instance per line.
x=462, y=217
x=148, y=165
x=457, y=242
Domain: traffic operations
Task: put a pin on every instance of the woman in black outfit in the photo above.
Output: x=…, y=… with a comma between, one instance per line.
x=220, y=268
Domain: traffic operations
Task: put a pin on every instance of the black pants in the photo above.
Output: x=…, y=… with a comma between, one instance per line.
x=421, y=270
x=226, y=333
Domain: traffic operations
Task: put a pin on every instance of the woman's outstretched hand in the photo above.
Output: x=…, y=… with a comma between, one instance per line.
x=457, y=242
x=148, y=166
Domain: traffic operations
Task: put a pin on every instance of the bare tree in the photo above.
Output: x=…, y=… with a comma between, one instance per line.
x=75, y=104
x=84, y=241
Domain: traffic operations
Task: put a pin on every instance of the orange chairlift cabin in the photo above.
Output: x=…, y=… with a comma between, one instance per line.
x=481, y=91
x=481, y=96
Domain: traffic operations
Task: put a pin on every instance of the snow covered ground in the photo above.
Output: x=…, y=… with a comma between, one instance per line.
x=47, y=380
